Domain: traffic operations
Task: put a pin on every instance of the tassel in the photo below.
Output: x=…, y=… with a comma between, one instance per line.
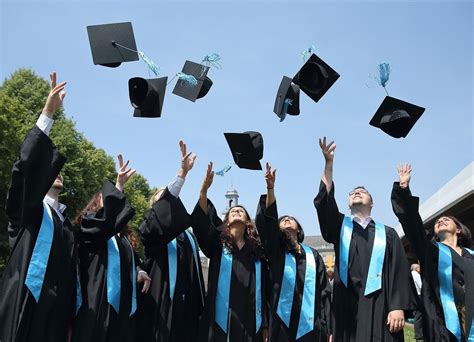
x=308, y=52
x=284, y=111
x=211, y=61
x=189, y=80
x=151, y=65
x=224, y=170
x=384, y=74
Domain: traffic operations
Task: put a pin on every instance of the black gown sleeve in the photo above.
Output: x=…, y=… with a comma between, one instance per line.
x=405, y=207
x=330, y=219
x=322, y=285
x=166, y=219
x=32, y=176
x=207, y=228
x=109, y=220
x=266, y=221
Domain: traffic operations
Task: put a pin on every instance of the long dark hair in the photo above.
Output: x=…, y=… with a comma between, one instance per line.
x=287, y=239
x=251, y=235
x=464, y=236
x=94, y=205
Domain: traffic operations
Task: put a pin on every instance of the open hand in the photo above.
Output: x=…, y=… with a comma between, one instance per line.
x=143, y=277
x=396, y=320
x=124, y=174
x=187, y=160
x=327, y=149
x=404, y=173
x=55, y=97
x=270, y=176
x=207, y=182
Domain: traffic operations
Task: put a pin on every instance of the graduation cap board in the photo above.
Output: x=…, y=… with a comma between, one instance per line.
x=396, y=117
x=193, y=82
x=246, y=148
x=287, y=100
x=112, y=44
x=315, y=77
x=147, y=96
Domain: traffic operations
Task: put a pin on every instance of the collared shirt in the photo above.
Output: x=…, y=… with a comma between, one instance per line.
x=364, y=223
x=417, y=280
x=44, y=123
x=58, y=207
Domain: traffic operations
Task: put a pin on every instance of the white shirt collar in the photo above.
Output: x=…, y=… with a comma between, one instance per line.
x=59, y=207
x=364, y=223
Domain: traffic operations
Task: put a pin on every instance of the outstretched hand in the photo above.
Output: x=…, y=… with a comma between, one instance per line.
x=124, y=174
x=327, y=149
x=55, y=97
x=270, y=176
x=207, y=182
x=187, y=160
x=395, y=320
x=404, y=173
x=143, y=277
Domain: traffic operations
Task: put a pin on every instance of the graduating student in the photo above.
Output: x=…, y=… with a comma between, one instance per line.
x=171, y=310
x=235, y=301
x=297, y=274
x=108, y=265
x=38, y=287
x=447, y=267
x=372, y=281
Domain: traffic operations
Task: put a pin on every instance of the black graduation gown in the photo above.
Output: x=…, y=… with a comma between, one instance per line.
x=97, y=320
x=405, y=207
x=242, y=325
x=357, y=317
x=21, y=318
x=160, y=319
x=275, y=250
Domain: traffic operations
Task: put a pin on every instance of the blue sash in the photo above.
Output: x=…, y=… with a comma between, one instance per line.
x=306, y=322
x=445, y=278
x=223, y=291
x=197, y=260
x=285, y=303
x=134, y=284
x=78, y=293
x=172, y=266
x=374, y=276
x=469, y=250
x=113, y=274
x=40, y=256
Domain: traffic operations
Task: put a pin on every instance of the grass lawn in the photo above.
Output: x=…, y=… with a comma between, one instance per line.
x=409, y=333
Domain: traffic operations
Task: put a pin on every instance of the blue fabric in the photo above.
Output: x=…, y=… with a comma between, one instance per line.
x=224, y=170
x=134, y=284
x=469, y=250
x=258, y=295
x=306, y=322
x=172, y=266
x=151, y=65
x=374, y=277
x=445, y=278
x=78, y=293
x=470, y=337
x=113, y=274
x=40, y=256
x=384, y=74
x=344, y=243
x=287, y=289
x=223, y=290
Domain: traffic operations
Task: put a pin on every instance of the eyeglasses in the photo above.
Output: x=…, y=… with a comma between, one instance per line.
x=362, y=191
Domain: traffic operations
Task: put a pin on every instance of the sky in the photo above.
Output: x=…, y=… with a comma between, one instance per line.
x=429, y=46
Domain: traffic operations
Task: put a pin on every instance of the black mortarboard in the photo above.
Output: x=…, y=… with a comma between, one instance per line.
x=287, y=91
x=396, y=117
x=147, y=96
x=246, y=148
x=315, y=77
x=193, y=92
x=112, y=44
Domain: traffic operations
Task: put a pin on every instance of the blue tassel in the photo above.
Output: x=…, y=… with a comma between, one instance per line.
x=189, y=80
x=211, y=61
x=384, y=74
x=308, y=52
x=286, y=104
x=224, y=170
x=151, y=65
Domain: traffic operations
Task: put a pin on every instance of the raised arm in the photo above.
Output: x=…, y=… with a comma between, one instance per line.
x=37, y=167
x=405, y=206
x=330, y=219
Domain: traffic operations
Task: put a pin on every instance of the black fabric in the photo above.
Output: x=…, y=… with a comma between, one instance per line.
x=241, y=328
x=405, y=206
x=357, y=317
x=22, y=319
x=160, y=319
x=97, y=320
x=275, y=250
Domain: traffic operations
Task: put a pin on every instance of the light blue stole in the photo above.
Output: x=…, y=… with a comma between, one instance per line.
x=374, y=276
x=285, y=302
x=223, y=291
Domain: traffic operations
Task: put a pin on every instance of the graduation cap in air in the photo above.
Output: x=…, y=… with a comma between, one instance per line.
x=246, y=148
x=287, y=100
x=112, y=44
x=147, y=96
x=193, y=82
x=394, y=116
x=315, y=77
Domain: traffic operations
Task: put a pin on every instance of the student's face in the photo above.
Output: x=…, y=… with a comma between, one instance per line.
x=445, y=224
x=359, y=196
x=289, y=223
x=58, y=182
x=237, y=214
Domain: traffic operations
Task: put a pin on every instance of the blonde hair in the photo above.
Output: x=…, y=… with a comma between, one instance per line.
x=153, y=198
